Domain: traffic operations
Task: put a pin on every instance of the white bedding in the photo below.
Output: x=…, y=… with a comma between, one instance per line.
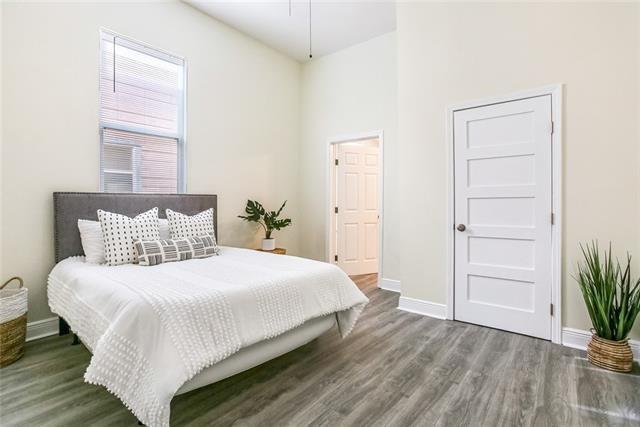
x=151, y=329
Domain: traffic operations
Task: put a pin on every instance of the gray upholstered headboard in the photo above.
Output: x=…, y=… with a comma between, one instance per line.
x=68, y=208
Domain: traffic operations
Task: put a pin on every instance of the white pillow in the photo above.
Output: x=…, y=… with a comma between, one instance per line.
x=92, y=241
x=119, y=232
x=184, y=226
x=163, y=225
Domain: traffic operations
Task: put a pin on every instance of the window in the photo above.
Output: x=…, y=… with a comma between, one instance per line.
x=142, y=93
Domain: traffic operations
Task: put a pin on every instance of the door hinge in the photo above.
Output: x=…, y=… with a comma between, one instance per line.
x=335, y=209
x=552, y=127
x=337, y=162
x=551, y=309
x=553, y=218
x=335, y=258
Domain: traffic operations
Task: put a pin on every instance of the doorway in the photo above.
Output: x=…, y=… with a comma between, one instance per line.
x=505, y=237
x=355, y=201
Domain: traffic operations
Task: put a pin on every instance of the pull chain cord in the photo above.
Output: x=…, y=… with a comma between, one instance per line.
x=310, y=50
x=289, y=7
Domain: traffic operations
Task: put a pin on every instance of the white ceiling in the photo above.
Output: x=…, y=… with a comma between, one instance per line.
x=334, y=25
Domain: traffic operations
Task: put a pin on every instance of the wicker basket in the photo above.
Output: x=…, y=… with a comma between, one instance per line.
x=13, y=322
x=612, y=355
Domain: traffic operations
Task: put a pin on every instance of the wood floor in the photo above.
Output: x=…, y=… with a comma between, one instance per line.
x=396, y=369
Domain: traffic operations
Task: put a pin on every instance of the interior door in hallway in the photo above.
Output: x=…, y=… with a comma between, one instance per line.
x=357, y=206
x=503, y=215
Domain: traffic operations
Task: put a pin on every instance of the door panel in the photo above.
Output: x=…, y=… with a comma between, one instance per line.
x=511, y=212
x=371, y=241
x=350, y=241
x=371, y=192
x=503, y=197
x=506, y=293
x=503, y=170
x=496, y=251
x=351, y=192
x=501, y=130
x=357, y=202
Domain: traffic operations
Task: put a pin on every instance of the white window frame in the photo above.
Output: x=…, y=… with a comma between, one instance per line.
x=182, y=124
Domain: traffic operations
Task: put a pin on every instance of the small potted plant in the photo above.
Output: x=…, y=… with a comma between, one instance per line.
x=612, y=298
x=269, y=220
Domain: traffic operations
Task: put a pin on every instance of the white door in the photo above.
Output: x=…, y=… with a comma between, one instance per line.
x=503, y=216
x=357, y=207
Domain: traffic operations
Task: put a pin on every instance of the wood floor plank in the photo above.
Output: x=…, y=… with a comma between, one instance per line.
x=557, y=389
x=395, y=369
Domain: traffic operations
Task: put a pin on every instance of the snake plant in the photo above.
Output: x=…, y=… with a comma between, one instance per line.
x=612, y=297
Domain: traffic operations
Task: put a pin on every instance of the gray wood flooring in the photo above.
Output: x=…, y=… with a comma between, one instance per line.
x=396, y=369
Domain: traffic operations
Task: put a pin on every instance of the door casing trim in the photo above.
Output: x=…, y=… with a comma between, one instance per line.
x=329, y=194
x=556, y=92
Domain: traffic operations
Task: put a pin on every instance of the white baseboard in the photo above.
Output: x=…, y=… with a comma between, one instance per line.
x=42, y=328
x=577, y=338
x=425, y=308
x=389, y=285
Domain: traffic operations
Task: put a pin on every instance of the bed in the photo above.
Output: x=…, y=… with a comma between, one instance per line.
x=155, y=332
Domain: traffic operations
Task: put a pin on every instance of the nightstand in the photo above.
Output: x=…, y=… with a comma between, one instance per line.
x=279, y=251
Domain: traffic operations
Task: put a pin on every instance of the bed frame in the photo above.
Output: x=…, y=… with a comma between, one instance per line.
x=69, y=207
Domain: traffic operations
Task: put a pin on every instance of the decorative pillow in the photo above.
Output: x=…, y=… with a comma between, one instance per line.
x=181, y=225
x=153, y=252
x=163, y=225
x=92, y=241
x=119, y=232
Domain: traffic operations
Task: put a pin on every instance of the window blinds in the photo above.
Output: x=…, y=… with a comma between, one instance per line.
x=141, y=117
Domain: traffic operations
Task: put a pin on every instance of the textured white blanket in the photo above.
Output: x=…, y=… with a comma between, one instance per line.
x=151, y=329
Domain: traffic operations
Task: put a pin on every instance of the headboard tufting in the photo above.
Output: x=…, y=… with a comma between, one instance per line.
x=68, y=208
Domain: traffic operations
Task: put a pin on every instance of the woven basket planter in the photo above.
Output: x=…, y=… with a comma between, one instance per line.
x=612, y=355
x=13, y=322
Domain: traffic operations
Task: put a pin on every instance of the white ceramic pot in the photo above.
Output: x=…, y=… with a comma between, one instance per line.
x=268, y=244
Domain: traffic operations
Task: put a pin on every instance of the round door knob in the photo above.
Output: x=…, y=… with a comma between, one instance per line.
x=461, y=227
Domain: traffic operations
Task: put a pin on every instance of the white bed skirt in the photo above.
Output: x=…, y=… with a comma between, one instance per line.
x=261, y=352
x=258, y=353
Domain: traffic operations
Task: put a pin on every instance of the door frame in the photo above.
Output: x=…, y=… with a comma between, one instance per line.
x=556, y=92
x=329, y=194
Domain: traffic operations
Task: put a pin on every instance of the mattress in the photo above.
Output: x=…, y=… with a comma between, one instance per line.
x=161, y=330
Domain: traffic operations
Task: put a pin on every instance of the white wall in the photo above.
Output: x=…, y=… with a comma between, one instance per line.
x=2, y=277
x=258, y=126
x=242, y=135
x=450, y=53
x=351, y=91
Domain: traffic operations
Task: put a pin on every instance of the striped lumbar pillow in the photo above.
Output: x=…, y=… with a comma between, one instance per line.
x=153, y=252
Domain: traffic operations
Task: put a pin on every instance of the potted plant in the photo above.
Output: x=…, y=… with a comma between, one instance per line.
x=269, y=220
x=612, y=298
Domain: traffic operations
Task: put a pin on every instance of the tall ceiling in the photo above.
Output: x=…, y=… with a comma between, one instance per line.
x=334, y=25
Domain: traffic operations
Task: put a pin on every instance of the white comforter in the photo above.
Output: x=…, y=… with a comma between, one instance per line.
x=151, y=329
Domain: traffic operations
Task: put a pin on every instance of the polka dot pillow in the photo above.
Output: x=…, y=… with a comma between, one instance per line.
x=119, y=232
x=184, y=226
